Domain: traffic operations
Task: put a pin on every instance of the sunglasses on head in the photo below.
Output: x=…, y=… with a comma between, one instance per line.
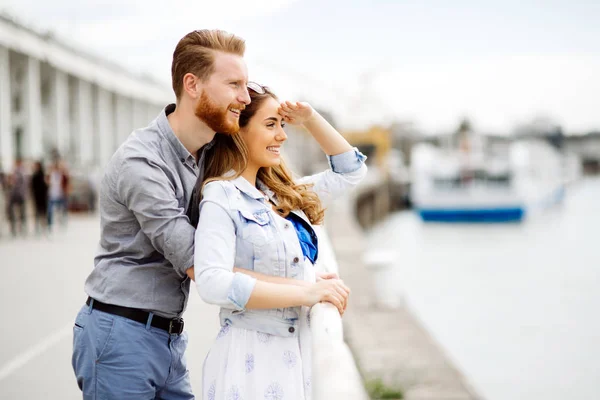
x=257, y=88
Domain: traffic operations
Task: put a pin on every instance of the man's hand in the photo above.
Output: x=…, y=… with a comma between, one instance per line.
x=190, y=273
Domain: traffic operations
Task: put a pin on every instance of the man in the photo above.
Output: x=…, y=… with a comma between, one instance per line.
x=16, y=199
x=128, y=338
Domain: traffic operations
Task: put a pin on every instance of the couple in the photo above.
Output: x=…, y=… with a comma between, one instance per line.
x=202, y=195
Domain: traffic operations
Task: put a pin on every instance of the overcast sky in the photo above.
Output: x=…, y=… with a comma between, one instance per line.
x=501, y=63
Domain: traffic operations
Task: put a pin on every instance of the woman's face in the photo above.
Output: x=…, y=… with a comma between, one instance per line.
x=264, y=135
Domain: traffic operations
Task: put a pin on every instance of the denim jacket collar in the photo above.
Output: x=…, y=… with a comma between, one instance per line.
x=268, y=192
x=247, y=188
x=273, y=198
x=255, y=192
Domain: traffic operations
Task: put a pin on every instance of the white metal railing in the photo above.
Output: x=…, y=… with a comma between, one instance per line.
x=334, y=372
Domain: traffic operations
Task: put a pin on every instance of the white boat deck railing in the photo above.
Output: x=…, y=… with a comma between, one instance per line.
x=334, y=372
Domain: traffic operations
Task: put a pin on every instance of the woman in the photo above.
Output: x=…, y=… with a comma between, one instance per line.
x=58, y=185
x=255, y=249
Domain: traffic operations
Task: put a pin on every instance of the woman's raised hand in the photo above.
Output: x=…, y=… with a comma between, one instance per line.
x=295, y=113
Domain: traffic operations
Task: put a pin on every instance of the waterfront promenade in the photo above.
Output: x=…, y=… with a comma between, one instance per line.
x=41, y=291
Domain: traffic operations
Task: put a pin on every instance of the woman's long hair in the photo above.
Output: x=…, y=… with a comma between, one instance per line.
x=229, y=153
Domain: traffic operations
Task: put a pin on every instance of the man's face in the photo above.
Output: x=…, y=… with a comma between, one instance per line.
x=224, y=94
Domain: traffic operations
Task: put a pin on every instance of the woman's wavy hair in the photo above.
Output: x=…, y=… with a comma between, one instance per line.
x=229, y=153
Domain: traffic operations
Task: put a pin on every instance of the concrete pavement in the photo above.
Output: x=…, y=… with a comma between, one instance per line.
x=41, y=291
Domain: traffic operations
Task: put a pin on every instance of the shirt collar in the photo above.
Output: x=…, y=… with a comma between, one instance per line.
x=165, y=129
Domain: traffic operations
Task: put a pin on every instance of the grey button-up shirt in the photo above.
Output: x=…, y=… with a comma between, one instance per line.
x=146, y=241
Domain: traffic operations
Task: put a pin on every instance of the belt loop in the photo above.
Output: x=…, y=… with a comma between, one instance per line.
x=91, y=306
x=149, y=322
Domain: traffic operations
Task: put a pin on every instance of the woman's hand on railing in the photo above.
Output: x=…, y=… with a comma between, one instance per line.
x=326, y=275
x=331, y=290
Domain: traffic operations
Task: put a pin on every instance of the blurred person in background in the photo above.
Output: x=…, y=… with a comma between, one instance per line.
x=17, y=192
x=58, y=183
x=255, y=250
x=3, y=202
x=129, y=339
x=39, y=190
x=66, y=187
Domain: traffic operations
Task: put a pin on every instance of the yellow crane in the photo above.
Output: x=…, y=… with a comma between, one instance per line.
x=374, y=142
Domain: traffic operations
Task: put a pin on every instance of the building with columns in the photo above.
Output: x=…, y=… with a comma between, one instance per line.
x=53, y=97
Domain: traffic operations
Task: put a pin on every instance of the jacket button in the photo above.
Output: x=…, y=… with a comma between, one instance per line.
x=296, y=259
x=291, y=329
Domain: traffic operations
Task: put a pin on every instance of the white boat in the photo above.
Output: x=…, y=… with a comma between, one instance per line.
x=503, y=184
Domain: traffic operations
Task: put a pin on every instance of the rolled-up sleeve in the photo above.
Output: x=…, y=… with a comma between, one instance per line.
x=349, y=161
x=145, y=189
x=347, y=170
x=215, y=254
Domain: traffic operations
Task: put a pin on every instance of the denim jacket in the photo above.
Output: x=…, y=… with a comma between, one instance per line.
x=238, y=227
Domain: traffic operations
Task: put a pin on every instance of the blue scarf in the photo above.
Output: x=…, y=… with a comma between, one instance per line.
x=307, y=237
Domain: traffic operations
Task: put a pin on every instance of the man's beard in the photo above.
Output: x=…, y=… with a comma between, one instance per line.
x=215, y=117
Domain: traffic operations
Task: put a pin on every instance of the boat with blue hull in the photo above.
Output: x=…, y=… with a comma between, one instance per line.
x=476, y=186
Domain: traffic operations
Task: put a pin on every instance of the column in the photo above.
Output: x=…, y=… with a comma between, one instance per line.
x=84, y=123
x=60, y=111
x=6, y=134
x=95, y=135
x=32, y=143
x=152, y=112
x=139, y=114
x=104, y=116
x=124, y=116
x=114, y=108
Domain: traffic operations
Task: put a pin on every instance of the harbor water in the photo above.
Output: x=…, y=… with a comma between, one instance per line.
x=515, y=306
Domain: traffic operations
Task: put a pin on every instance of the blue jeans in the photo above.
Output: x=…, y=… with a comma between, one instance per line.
x=117, y=358
x=52, y=205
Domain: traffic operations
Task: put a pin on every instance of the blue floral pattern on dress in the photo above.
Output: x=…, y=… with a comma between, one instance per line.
x=212, y=391
x=249, y=362
x=274, y=392
x=224, y=331
x=264, y=337
x=289, y=359
x=308, y=387
x=234, y=394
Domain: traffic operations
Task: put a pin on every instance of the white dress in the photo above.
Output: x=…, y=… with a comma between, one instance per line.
x=244, y=364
